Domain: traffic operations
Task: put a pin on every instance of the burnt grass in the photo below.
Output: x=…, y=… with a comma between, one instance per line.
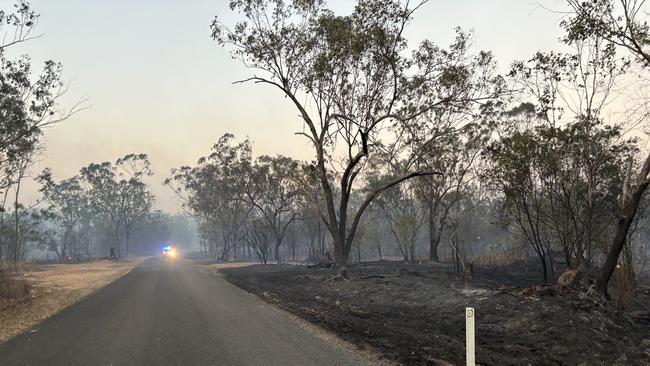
x=414, y=314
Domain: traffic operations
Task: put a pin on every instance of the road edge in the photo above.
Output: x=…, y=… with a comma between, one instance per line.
x=75, y=298
x=368, y=354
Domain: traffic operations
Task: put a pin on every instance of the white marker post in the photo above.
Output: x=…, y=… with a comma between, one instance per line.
x=469, y=336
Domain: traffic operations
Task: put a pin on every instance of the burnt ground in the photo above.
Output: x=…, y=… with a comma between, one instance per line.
x=414, y=314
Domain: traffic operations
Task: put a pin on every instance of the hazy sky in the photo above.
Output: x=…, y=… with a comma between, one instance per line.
x=158, y=84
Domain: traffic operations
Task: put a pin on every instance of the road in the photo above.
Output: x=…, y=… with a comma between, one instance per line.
x=173, y=314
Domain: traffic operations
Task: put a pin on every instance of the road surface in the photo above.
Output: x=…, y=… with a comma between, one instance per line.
x=173, y=314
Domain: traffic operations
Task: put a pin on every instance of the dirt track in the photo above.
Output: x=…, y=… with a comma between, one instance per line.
x=414, y=315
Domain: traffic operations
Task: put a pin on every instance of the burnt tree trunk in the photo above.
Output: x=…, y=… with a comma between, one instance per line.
x=434, y=239
x=630, y=205
x=542, y=259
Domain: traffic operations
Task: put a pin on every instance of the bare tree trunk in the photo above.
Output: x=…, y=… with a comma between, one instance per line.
x=630, y=205
x=127, y=237
x=276, y=251
x=434, y=239
x=359, y=254
x=310, y=251
x=2, y=222
x=340, y=256
x=542, y=259
x=17, y=225
x=116, y=232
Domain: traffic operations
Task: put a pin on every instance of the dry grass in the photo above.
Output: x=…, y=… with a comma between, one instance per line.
x=624, y=286
x=11, y=286
x=52, y=288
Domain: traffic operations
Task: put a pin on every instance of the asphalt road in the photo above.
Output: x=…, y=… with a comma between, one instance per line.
x=172, y=314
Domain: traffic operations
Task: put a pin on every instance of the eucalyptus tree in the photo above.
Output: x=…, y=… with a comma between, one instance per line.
x=272, y=189
x=572, y=90
x=623, y=23
x=31, y=232
x=519, y=172
x=556, y=159
x=312, y=210
x=213, y=192
x=28, y=102
x=315, y=233
x=18, y=25
x=352, y=82
x=99, y=181
x=398, y=205
x=117, y=192
x=259, y=237
x=540, y=169
x=67, y=206
x=135, y=200
x=457, y=155
x=373, y=238
x=21, y=165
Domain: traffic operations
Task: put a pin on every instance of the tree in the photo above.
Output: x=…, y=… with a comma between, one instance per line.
x=28, y=104
x=28, y=233
x=621, y=23
x=117, y=192
x=273, y=191
x=358, y=79
x=21, y=165
x=456, y=156
x=68, y=204
x=103, y=196
x=399, y=207
x=313, y=207
x=260, y=238
x=213, y=192
x=560, y=183
x=136, y=202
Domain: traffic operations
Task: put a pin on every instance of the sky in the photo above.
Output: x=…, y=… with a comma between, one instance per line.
x=157, y=83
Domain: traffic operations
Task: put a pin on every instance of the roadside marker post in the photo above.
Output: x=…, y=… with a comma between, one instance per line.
x=469, y=336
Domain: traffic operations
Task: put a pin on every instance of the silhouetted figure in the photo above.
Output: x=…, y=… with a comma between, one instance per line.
x=113, y=255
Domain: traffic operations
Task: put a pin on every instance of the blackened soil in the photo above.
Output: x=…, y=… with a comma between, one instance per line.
x=414, y=314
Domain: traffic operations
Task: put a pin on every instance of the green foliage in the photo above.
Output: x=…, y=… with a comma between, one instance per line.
x=606, y=19
x=28, y=104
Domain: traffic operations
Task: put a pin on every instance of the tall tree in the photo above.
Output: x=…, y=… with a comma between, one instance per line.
x=136, y=202
x=457, y=156
x=624, y=23
x=272, y=188
x=118, y=192
x=28, y=102
x=213, y=192
x=68, y=204
x=355, y=72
